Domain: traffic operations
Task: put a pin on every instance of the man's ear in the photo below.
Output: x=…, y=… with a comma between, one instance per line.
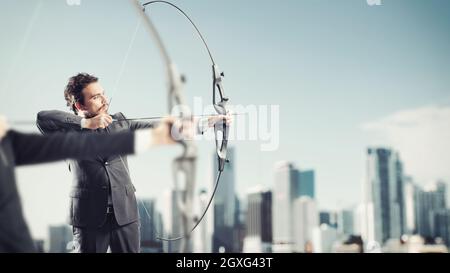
x=79, y=107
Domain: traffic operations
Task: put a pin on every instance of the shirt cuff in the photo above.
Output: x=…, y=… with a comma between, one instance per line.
x=202, y=125
x=143, y=140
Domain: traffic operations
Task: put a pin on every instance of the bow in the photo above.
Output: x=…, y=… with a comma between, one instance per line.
x=185, y=164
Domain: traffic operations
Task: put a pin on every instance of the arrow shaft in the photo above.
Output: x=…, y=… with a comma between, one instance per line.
x=156, y=118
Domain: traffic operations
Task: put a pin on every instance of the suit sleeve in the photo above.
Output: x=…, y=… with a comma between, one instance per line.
x=35, y=148
x=135, y=125
x=57, y=121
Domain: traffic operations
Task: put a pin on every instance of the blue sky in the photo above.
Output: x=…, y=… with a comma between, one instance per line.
x=331, y=66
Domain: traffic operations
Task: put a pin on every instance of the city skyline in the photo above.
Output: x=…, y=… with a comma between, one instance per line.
x=311, y=229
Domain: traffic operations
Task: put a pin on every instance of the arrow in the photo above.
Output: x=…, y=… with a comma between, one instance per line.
x=28, y=122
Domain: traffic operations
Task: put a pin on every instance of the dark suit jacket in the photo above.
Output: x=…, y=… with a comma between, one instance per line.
x=97, y=177
x=18, y=149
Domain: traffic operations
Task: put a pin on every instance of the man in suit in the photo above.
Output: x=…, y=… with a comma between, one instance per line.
x=17, y=149
x=103, y=209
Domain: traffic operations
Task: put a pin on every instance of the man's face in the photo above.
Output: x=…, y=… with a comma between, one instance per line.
x=95, y=101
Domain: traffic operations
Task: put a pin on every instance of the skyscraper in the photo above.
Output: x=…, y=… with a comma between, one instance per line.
x=360, y=220
x=39, y=245
x=203, y=235
x=440, y=187
x=323, y=238
x=60, y=239
x=151, y=226
x=383, y=195
x=440, y=223
x=239, y=225
x=259, y=221
x=399, y=199
x=172, y=221
x=305, y=219
x=225, y=207
x=306, y=184
x=346, y=222
x=411, y=206
x=328, y=217
x=324, y=217
x=284, y=193
x=431, y=202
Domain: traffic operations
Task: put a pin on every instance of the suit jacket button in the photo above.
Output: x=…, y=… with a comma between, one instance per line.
x=106, y=163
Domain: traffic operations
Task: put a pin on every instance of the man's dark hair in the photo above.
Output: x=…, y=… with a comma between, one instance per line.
x=73, y=92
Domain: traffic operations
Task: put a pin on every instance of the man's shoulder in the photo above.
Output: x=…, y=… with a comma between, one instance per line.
x=118, y=115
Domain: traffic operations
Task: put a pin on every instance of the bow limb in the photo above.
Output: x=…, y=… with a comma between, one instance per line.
x=184, y=165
